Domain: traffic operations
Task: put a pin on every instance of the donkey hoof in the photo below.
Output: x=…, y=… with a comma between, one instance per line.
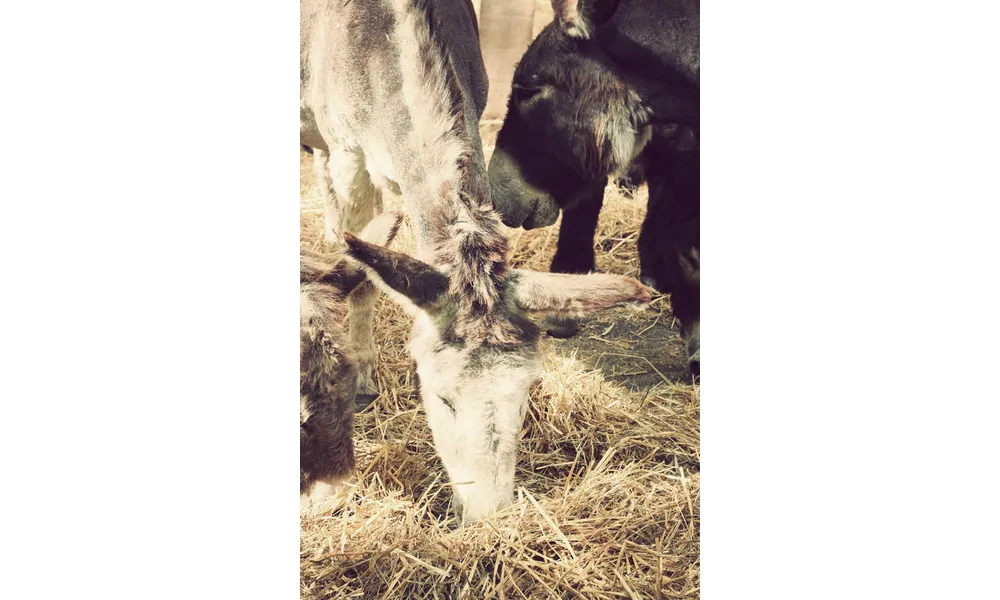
x=367, y=389
x=572, y=264
x=627, y=184
x=324, y=498
x=562, y=328
x=650, y=281
x=694, y=368
x=363, y=401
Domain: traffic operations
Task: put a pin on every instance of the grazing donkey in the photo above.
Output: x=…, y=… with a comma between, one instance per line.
x=328, y=369
x=391, y=96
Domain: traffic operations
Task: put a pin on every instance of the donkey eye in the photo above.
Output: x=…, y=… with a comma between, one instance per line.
x=523, y=94
x=449, y=403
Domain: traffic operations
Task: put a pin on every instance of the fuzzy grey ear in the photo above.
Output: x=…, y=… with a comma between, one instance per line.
x=578, y=18
x=329, y=269
x=569, y=15
x=559, y=294
x=408, y=281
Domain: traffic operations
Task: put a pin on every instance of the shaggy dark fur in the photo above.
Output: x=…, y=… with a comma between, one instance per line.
x=328, y=373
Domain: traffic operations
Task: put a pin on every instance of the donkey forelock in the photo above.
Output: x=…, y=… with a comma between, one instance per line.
x=470, y=248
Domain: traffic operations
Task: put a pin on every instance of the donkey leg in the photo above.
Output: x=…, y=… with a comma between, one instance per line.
x=575, y=250
x=331, y=203
x=575, y=245
x=356, y=202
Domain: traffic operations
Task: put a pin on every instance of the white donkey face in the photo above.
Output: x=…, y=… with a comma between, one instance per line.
x=474, y=388
x=475, y=398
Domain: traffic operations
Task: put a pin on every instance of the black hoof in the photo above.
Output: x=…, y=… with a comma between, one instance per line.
x=656, y=283
x=562, y=328
x=627, y=184
x=363, y=401
x=694, y=367
x=573, y=266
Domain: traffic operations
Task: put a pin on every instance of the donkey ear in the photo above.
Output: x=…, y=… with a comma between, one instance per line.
x=345, y=275
x=408, y=281
x=329, y=269
x=578, y=18
x=559, y=294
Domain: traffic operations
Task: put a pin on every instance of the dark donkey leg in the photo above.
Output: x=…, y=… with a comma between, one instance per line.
x=632, y=178
x=654, y=247
x=575, y=248
x=684, y=271
x=669, y=244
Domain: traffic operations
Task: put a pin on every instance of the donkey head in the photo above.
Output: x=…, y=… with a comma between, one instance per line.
x=476, y=351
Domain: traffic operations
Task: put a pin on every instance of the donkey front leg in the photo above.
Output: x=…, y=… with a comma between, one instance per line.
x=575, y=246
x=575, y=249
x=351, y=201
x=669, y=245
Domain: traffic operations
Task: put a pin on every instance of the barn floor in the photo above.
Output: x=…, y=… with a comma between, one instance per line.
x=608, y=503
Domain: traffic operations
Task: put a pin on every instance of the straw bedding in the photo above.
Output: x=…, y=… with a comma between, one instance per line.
x=608, y=477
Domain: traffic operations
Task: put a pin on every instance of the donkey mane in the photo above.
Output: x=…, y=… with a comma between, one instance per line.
x=465, y=238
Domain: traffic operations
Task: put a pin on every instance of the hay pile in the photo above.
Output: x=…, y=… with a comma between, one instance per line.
x=608, y=479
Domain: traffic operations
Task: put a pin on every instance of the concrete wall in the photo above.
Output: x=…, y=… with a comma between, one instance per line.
x=506, y=28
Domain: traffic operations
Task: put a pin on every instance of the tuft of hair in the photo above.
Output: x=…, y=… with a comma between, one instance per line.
x=571, y=18
x=471, y=248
